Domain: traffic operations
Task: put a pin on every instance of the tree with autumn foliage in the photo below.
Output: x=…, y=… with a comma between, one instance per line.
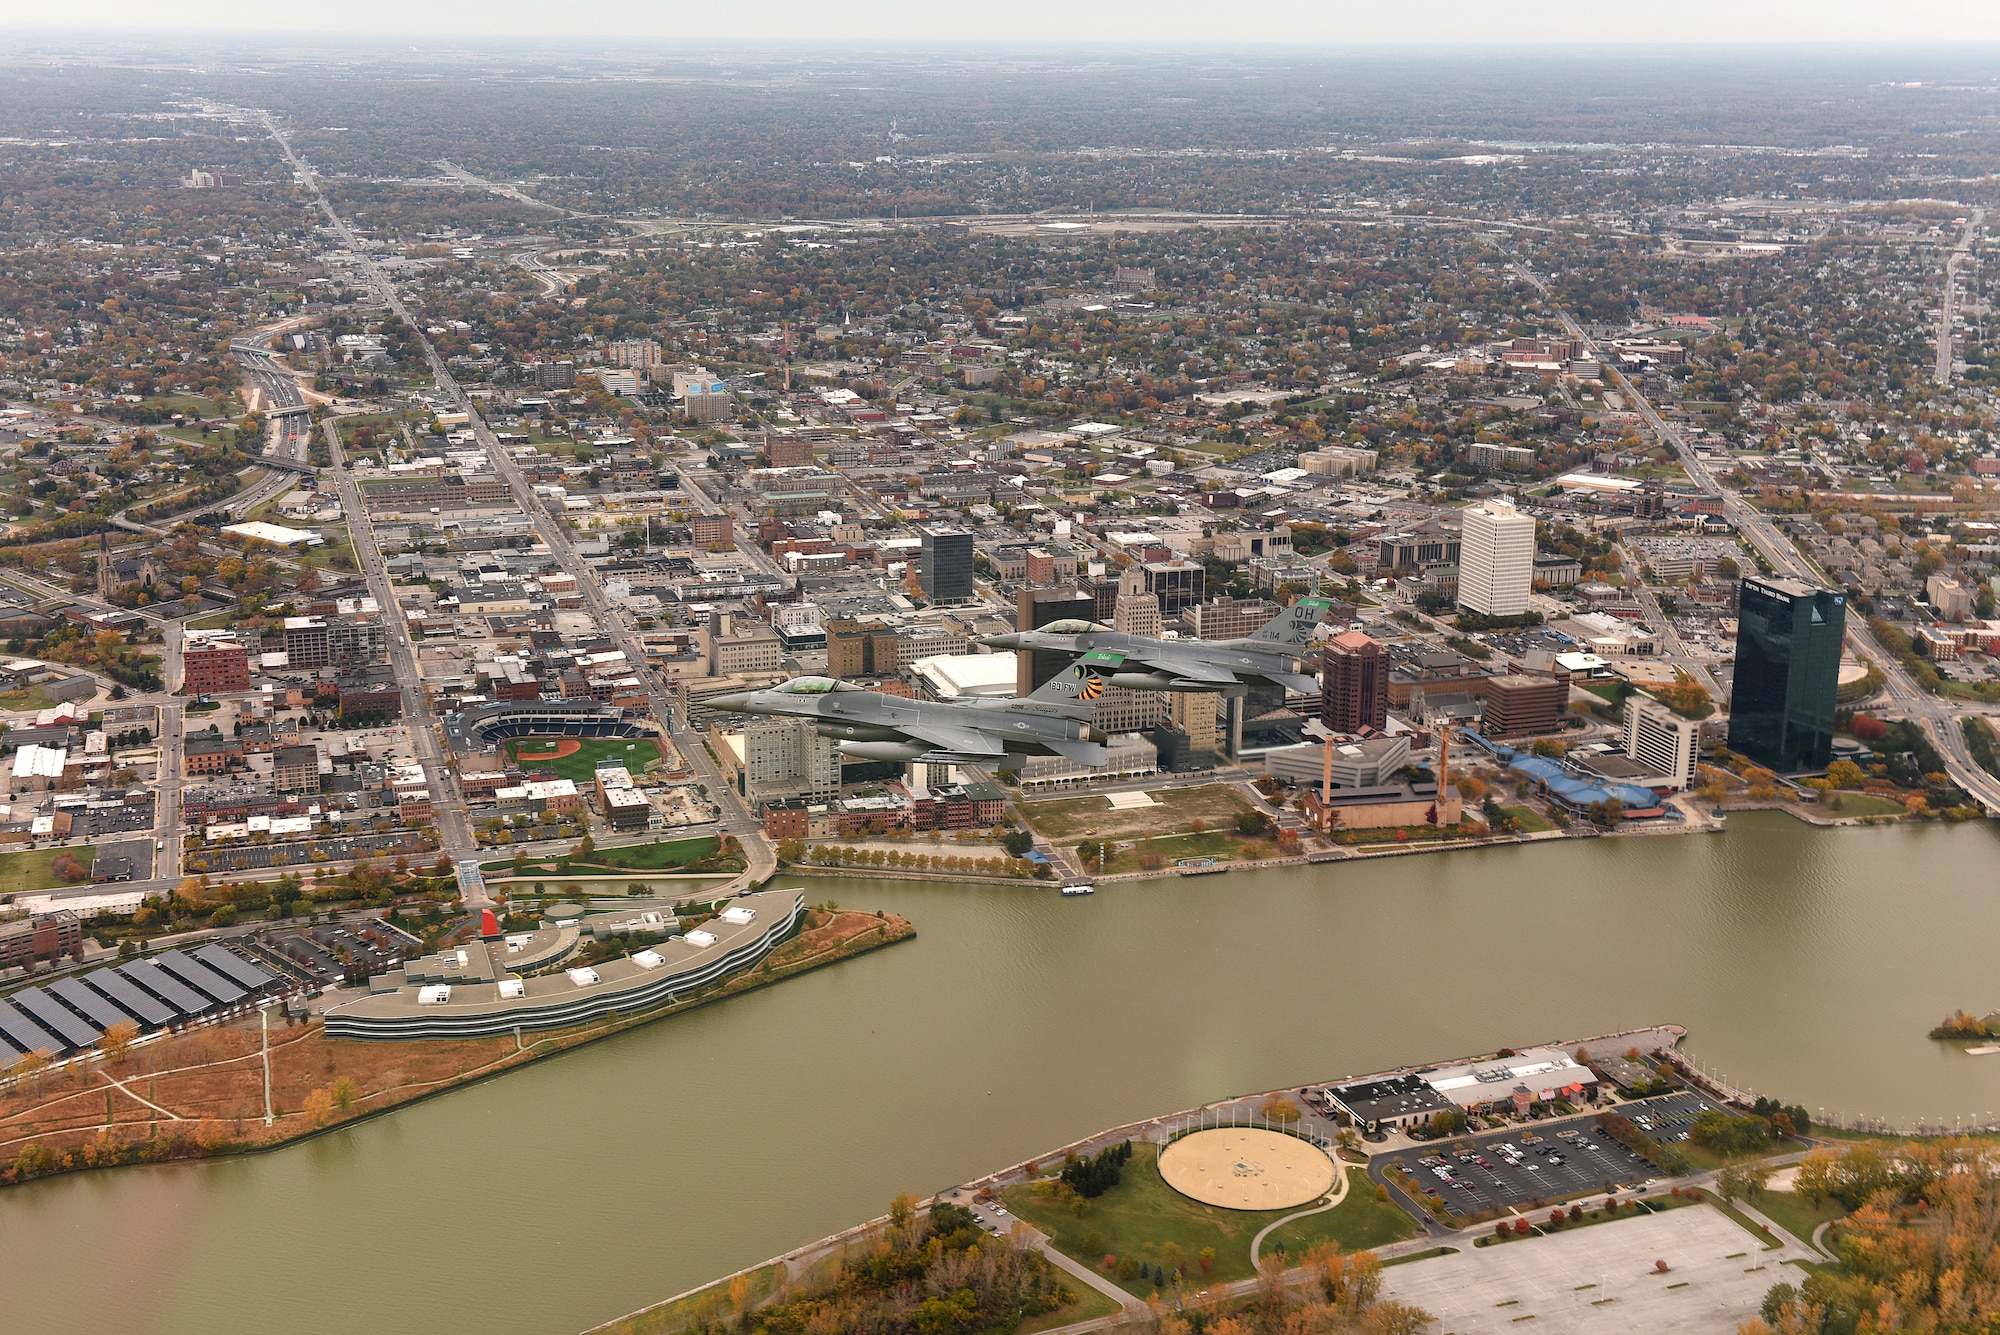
x=1921, y=1252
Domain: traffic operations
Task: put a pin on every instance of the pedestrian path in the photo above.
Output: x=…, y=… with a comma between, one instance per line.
x=1332, y=1201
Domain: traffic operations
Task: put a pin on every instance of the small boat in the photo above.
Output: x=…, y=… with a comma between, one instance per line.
x=1983, y=1050
x=1079, y=888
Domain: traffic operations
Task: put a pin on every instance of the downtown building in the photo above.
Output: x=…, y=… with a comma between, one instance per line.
x=1354, y=684
x=1496, y=567
x=1663, y=742
x=1781, y=703
x=335, y=641
x=945, y=565
x=214, y=661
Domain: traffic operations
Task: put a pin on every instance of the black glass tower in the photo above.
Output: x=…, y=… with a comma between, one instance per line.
x=945, y=572
x=1781, y=704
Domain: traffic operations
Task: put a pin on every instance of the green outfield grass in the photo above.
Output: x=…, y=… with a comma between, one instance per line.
x=635, y=753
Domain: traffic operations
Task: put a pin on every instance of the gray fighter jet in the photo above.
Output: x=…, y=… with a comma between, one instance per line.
x=995, y=733
x=1147, y=664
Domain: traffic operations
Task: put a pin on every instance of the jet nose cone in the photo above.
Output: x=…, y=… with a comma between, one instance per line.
x=1007, y=641
x=738, y=701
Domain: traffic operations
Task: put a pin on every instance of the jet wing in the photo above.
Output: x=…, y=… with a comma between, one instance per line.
x=1083, y=753
x=955, y=738
x=1189, y=668
x=1293, y=682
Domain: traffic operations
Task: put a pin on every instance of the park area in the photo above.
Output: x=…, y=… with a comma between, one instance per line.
x=576, y=758
x=700, y=853
x=1145, y=1222
x=1173, y=811
x=37, y=869
x=1146, y=831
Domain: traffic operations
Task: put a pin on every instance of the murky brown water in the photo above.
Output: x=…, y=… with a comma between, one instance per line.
x=1806, y=962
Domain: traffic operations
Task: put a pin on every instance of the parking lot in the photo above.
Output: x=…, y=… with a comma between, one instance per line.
x=1516, y=1168
x=257, y=857
x=1601, y=1279
x=111, y=820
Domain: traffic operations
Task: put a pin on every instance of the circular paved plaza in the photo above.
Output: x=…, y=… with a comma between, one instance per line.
x=1242, y=1168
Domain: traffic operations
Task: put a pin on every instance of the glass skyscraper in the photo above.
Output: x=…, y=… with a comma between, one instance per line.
x=1788, y=638
x=945, y=572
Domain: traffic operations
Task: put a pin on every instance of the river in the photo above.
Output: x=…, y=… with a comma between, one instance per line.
x=1806, y=962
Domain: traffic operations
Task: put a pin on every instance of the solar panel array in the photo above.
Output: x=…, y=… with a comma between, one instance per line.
x=148, y=1010
x=25, y=1034
x=73, y=1013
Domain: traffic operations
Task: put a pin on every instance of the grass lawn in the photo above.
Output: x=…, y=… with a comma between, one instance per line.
x=635, y=753
x=1089, y=1305
x=192, y=405
x=1213, y=844
x=657, y=857
x=29, y=869
x=1767, y=1241
x=1217, y=804
x=1142, y=1214
x=1358, y=1223
x=31, y=698
x=1794, y=1215
x=1861, y=804
x=1530, y=820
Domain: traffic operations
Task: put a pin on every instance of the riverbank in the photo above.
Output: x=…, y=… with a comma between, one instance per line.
x=769, y=1280
x=1695, y=819
x=212, y=1092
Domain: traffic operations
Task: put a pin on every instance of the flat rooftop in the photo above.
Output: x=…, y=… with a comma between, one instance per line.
x=742, y=923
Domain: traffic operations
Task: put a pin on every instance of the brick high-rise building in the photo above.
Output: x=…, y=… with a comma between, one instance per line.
x=789, y=451
x=213, y=662
x=1354, y=684
x=861, y=649
x=1139, y=615
x=712, y=531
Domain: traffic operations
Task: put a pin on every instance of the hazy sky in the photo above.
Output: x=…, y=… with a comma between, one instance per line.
x=1178, y=21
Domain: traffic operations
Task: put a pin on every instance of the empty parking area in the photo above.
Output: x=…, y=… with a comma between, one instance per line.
x=1516, y=1169
x=1603, y=1278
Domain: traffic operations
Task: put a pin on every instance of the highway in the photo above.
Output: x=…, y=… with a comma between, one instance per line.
x=1935, y=716
x=548, y=527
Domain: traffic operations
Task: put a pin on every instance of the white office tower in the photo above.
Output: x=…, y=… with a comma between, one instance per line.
x=1496, y=563
x=1663, y=741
